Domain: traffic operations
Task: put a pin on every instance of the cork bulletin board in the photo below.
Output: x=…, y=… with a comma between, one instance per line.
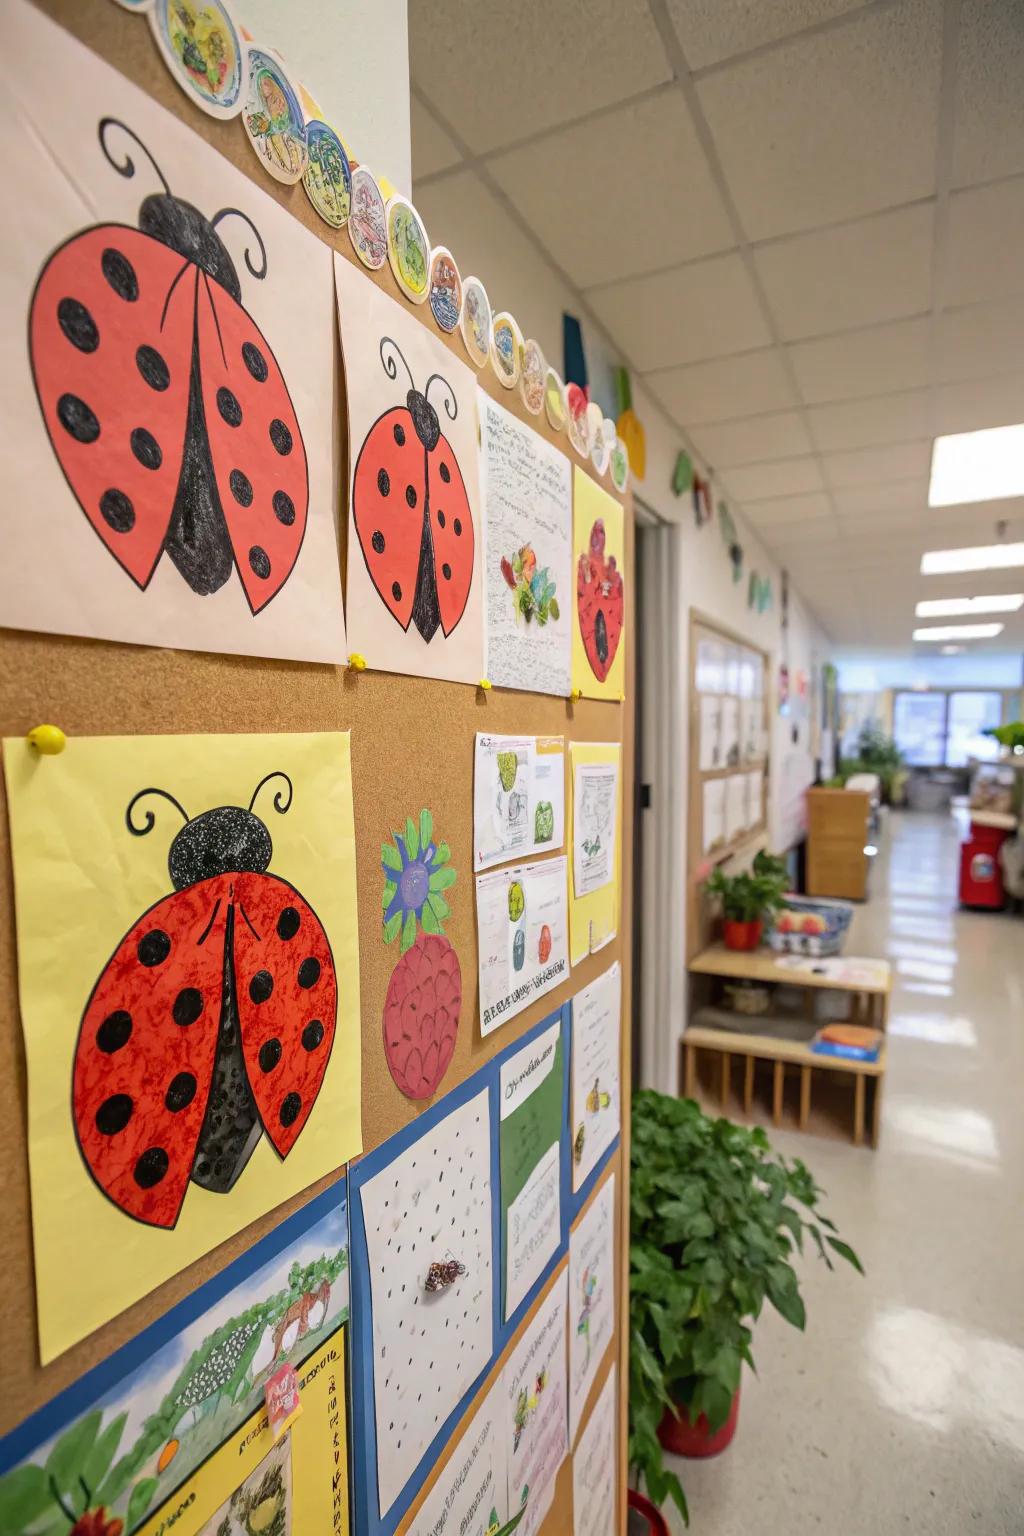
x=411, y=744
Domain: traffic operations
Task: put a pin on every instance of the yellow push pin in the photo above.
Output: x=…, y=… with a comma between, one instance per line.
x=485, y=684
x=357, y=662
x=48, y=739
x=577, y=693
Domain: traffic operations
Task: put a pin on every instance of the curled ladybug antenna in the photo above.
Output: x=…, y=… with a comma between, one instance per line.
x=279, y=797
x=238, y=214
x=127, y=166
x=451, y=405
x=149, y=820
x=390, y=366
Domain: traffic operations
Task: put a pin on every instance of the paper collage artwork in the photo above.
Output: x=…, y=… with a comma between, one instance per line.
x=535, y=1387
x=531, y=1088
x=178, y=385
x=194, y=1059
x=591, y=1296
x=522, y=935
x=518, y=797
x=599, y=555
x=596, y=837
x=596, y=1016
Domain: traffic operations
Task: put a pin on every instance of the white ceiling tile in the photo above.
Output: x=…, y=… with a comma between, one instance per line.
x=432, y=148
x=870, y=466
x=788, y=509
x=874, y=269
x=881, y=498
x=870, y=362
x=660, y=216
x=710, y=30
x=759, y=482
x=984, y=238
x=977, y=403
x=831, y=125
x=989, y=117
x=870, y=423
x=706, y=309
x=979, y=341
x=885, y=525
x=503, y=72
x=781, y=435
x=724, y=388
x=796, y=537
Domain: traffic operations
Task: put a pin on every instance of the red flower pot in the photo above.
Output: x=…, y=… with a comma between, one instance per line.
x=644, y=1517
x=738, y=935
x=684, y=1438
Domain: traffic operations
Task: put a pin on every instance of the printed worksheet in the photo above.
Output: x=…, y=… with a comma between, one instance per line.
x=535, y=1388
x=471, y=1495
x=522, y=937
x=594, y=1466
x=531, y=1085
x=714, y=814
x=518, y=797
x=595, y=803
x=596, y=1015
x=591, y=1297
x=710, y=750
x=735, y=805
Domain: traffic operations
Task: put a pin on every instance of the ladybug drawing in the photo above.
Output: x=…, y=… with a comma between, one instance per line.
x=211, y=1023
x=441, y=1275
x=411, y=509
x=163, y=400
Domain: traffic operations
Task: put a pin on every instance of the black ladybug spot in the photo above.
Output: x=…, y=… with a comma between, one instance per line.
x=446, y=571
x=410, y=495
x=77, y=419
x=78, y=325
x=114, y=1032
x=445, y=474
x=396, y=592
x=280, y=436
x=229, y=408
x=146, y=449
x=378, y=542
x=270, y=1055
x=261, y=986
x=259, y=562
x=400, y=435
x=458, y=527
x=440, y=518
x=254, y=360
x=601, y=637
x=312, y=1035
x=188, y=1005
x=120, y=274
x=284, y=508
x=152, y=367
x=153, y=947
x=151, y=1167
x=309, y=972
x=384, y=482
x=289, y=1111
x=241, y=488
x=181, y=1092
x=117, y=511
x=113, y=1114
x=288, y=923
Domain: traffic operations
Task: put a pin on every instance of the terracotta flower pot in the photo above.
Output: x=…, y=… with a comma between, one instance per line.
x=644, y=1518
x=695, y=1440
x=737, y=935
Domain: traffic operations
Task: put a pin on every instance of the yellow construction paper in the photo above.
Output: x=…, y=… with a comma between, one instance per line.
x=82, y=881
x=590, y=504
x=594, y=918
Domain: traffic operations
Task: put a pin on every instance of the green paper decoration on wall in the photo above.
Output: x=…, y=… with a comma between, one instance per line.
x=682, y=475
x=759, y=592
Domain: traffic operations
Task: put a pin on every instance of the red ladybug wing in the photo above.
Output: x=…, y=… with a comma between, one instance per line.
x=110, y=336
x=287, y=1002
x=451, y=525
x=259, y=458
x=388, y=491
x=145, y=1052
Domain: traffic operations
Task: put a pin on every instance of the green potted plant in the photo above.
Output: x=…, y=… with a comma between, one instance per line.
x=715, y=1219
x=748, y=898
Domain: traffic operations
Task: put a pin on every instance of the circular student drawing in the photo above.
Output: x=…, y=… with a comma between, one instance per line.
x=476, y=321
x=204, y=50
x=531, y=379
x=554, y=400
x=445, y=288
x=600, y=447
x=367, y=226
x=506, y=349
x=408, y=249
x=273, y=120
x=618, y=463
x=328, y=176
x=135, y=5
x=578, y=425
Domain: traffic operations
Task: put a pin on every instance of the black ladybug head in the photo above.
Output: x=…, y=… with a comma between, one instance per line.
x=424, y=417
x=226, y=840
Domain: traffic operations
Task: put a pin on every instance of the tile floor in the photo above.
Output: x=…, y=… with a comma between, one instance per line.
x=902, y=1407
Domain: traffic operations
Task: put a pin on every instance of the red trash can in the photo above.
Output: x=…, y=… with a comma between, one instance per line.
x=981, y=880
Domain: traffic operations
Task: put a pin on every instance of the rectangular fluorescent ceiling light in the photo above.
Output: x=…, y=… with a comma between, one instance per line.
x=963, y=607
x=980, y=557
x=959, y=632
x=977, y=466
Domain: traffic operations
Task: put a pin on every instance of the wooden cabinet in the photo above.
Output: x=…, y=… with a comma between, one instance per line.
x=838, y=831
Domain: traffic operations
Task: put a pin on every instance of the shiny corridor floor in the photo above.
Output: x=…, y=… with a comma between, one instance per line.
x=902, y=1407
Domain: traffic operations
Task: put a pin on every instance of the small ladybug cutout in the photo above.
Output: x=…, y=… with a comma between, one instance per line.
x=167, y=410
x=411, y=510
x=441, y=1275
x=211, y=1023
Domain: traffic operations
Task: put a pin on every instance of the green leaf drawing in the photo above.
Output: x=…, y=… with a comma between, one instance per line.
x=140, y=1500
x=390, y=856
x=25, y=1494
x=429, y=920
x=99, y=1459
x=412, y=838
x=553, y=609
x=438, y=905
x=67, y=1458
x=426, y=829
x=392, y=928
x=390, y=890
x=441, y=879
x=442, y=855
x=408, y=931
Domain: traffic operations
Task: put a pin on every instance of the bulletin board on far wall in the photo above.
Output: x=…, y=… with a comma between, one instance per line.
x=411, y=747
x=729, y=756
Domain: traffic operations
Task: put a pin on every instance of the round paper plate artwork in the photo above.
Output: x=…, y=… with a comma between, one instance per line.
x=328, y=176
x=273, y=120
x=554, y=400
x=600, y=447
x=618, y=463
x=408, y=249
x=135, y=5
x=578, y=425
x=445, y=289
x=506, y=350
x=531, y=380
x=476, y=321
x=204, y=51
x=367, y=226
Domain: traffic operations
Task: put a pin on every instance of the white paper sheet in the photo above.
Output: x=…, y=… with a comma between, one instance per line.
x=533, y=1230
x=735, y=805
x=751, y=730
x=730, y=739
x=431, y=1205
x=595, y=804
x=594, y=1467
x=531, y=1123
x=591, y=1296
x=714, y=813
x=710, y=754
x=518, y=797
x=535, y=1387
x=522, y=937
x=473, y=1486
x=710, y=669
x=755, y=798
x=527, y=497
x=596, y=1026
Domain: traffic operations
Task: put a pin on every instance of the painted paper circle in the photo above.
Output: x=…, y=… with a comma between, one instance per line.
x=408, y=249
x=578, y=425
x=600, y=447
x=506, y=349
x=445, y=288
x=555, y=407
x=531, y=380
x=135, y=5
x=618, y=463
x=476, y=321
x=367, y=226
x=203, y=48
x=273, y=120
x=328, y=176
